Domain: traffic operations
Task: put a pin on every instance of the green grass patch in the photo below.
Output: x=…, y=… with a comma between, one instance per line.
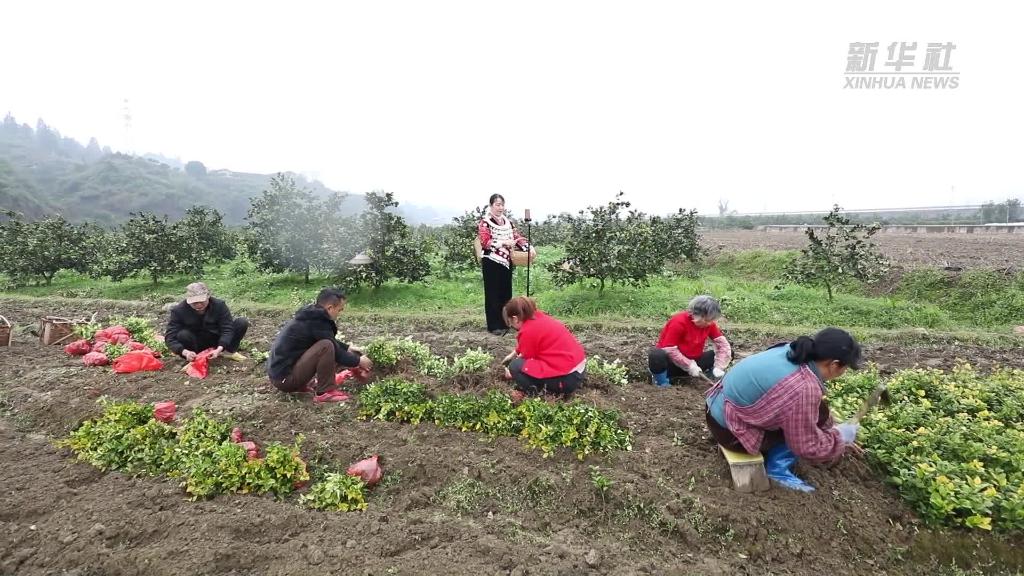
x=749, y=284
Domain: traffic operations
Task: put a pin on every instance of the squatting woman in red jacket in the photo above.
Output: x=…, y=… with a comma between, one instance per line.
x=547, y=358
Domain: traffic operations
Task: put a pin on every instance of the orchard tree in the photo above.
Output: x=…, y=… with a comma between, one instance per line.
x=289, y=229
x=386, y=238
x=676, y=237
x=145, y=244
x=554, y=230
x=44, y=247
x=837, y=252
x=202, y=233
x=456, y=242
x=604, y=245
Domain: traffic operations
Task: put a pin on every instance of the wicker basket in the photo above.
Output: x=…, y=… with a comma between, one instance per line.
x=478, y=249
x=521, y=257
x=54, y=329
x=5, y=332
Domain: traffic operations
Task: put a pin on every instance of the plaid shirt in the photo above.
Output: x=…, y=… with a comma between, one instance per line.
x=791, y=405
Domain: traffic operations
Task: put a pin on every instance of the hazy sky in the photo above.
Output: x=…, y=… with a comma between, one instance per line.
x=553, y=104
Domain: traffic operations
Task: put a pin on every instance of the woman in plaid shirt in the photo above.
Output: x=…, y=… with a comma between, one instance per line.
x=772, y=403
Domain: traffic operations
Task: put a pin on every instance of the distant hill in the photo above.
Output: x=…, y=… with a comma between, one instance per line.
x=43, y=173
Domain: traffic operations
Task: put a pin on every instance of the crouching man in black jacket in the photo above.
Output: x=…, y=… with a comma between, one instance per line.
x=307, y=346
x=200, y=322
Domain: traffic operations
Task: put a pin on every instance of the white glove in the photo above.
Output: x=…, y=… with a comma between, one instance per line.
x=694, y=370
x=718, y=372
x=848, y=431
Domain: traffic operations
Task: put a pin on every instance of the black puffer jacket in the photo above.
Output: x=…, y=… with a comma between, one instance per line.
x=310, y=325
x=215, y=321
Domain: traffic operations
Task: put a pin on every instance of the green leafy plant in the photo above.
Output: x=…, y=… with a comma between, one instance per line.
x=582, y=428
x=200, y=452
x=86, y=331
x=386, y=353
x=950, y=442
x=600, y=482
x=258, y=356
x=395, y=400
x=115, y=351
x=612, y=372
x=103, y=442
x=142, y=331
x=338, y=492
x=474, y=361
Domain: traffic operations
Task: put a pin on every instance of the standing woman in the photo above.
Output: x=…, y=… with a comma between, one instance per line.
x=498, y=237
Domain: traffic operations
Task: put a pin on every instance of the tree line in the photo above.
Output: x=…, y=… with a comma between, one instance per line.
x=290, y=229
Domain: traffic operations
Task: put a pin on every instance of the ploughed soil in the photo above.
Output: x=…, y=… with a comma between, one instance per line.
x=450, y=502
x=963, y=251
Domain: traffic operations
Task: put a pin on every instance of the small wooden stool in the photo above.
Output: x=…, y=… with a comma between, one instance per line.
x=748, y=474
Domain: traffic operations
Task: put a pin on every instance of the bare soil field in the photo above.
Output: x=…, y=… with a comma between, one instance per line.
x=966, y=251
x=451, y=502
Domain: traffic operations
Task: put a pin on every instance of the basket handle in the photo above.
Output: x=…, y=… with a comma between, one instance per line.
x=5, y=321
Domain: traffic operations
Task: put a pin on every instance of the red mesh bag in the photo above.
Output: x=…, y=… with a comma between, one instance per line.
x=137, y=361
x=165, y=411
x=200, y=367
x=367, y=470
x=95, y=359
x=78, y=348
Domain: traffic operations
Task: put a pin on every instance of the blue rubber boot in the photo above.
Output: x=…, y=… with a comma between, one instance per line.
x=660, y=379
x=778, y=462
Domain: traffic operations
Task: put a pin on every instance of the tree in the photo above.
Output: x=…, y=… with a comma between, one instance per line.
x=676, y=237
x=456, y=242
x=388, y=241
x=144, y=244
x=44, y=247
x=195, y=169
x=47, y=138
x=290, y=229
x=840, y=251
x=1009, y=211
x=203, y=235
x=605, y=246
x=552, y=231
x=93, y=151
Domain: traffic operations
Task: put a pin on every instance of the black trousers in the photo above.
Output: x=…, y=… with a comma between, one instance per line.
x=658, y=361
x=203, y=340
x=497, y=292
x=533, y=386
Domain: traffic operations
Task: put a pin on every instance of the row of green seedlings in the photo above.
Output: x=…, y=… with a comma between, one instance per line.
x=582, y=428
x=203, y=456
x=386, y=353
x=951, y=442
x=140, y=329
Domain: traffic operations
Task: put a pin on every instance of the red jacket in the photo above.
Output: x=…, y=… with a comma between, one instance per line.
x=549, y=348
x=682, y=332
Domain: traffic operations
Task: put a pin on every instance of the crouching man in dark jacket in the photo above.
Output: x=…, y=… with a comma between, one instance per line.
x=307, y=346
x=200, y=322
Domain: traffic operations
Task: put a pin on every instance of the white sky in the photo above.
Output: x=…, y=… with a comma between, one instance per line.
x=553, y=104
